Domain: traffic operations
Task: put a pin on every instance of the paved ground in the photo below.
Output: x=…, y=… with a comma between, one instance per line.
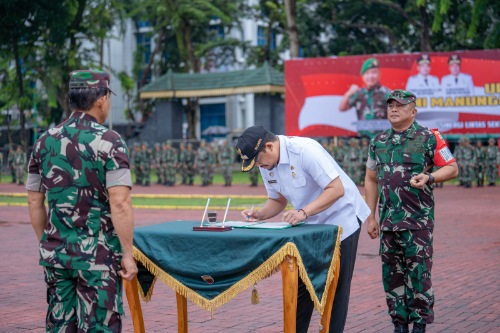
x=466, y=270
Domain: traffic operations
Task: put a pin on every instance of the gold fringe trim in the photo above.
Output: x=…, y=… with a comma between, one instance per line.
x=265, y=270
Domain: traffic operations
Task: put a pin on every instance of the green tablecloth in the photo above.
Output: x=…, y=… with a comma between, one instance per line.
x=235, y=260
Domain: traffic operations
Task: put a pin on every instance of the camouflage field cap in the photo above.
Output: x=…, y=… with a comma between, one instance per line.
x=424, y=59
x=89, y=79
x=249, y=145
x=454, y=59
x=402, y=96
x=369, y=64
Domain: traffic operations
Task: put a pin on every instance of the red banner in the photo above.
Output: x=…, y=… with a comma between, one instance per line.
x=457, y=92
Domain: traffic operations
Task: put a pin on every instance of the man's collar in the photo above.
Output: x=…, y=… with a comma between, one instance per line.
x=83, y=116
x=284, y=159
x=408, y=133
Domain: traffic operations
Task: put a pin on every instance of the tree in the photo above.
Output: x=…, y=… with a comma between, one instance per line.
x=187, y=35
x=293, y=33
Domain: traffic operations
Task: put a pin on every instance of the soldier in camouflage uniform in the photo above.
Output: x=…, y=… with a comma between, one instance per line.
x=480, y=153
x=340, y=153
x=171, y=159
x=19, y=164
x=180, y=166
x=134, y=162
x=212, y=163
x=353, y=160
x=397, y=172
x=369, y=101
x=458, y=152
x=145, y=164
x=188, y=158
x=492, y=162
x=226, y=161
x=157, y=153
x=365, y=145
x=202, y=162
x=253, y=175
x=468, y=163
x=86, y=238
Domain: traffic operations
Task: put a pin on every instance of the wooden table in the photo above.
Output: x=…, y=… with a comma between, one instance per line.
x=290, y=275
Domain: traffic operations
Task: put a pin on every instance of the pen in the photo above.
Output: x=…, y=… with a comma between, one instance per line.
x=248, y=215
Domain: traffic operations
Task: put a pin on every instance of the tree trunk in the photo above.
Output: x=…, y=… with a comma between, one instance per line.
x=146, y=72
x=425, y=44
x=190, y=109
x=20, y=104
x=293, y=33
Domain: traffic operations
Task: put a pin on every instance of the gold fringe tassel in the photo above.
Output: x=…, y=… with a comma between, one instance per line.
x=265, y=270
x=255, y=296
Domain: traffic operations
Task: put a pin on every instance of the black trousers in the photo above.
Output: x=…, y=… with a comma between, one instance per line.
x=305, y=306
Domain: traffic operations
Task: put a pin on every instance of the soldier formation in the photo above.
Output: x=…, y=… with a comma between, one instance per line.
x=167, y=162
x=477, y=163
x=16, y=162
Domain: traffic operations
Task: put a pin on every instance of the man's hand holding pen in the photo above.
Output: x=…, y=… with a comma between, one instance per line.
x=251, y=215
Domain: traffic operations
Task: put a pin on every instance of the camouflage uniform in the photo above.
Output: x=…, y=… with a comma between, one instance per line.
x=458, y=152
x=145, y=164
x=370, y=103
x=180, y=166
x=253, y=175
x=135, y=162
x=468, y=163
x=170, y=159
x=341, y=154
x=80, y=248
x=202, y=163
x=19, y=162
x=492, y=161
x=226, y=161
x=480, y=156
x=157, y=153
x=188, y=157
x=212, y=163
x=406, y=220
x=365, y=144
x=353, y=160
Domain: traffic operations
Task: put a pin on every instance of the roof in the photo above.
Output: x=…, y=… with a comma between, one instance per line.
x=264, y=79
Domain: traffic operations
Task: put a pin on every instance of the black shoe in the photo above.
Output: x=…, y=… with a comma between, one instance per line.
x=401, y=328
x=418, y=328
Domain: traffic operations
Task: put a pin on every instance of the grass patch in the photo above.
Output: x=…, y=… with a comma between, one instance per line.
x=167, y=202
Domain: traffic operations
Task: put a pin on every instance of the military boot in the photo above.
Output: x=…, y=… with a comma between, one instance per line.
x=418, y=328
x=401, y=328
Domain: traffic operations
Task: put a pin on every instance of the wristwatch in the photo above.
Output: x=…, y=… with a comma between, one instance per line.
x=431, y=178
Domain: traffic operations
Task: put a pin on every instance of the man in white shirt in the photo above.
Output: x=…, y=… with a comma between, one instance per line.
x=457, y=83
x=423, y=83
x=300, y=171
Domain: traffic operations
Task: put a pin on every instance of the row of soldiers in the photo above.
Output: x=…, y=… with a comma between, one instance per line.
x=477, y=162
x=167, y=161
x=16, y=162
x=351, y=155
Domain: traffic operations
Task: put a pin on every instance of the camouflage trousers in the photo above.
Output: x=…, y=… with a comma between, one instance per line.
x=491, y=171
x=83, y=301
x=170, y=172
x=227, y=172
x=406, y=275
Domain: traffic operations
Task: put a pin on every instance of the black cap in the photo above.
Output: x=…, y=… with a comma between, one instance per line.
x=249, y=145
x=454, y=59
x=424, y=59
